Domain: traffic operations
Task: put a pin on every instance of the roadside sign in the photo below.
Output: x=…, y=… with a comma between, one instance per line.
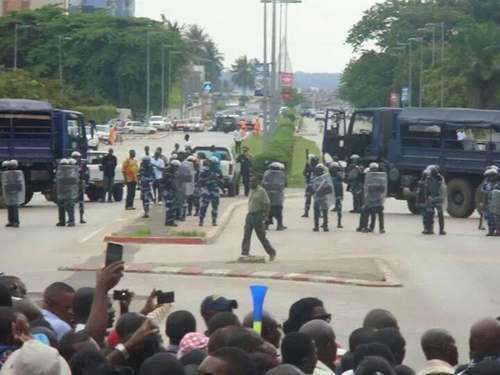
x=260, y=77
x=286, y=79
x=405, y=95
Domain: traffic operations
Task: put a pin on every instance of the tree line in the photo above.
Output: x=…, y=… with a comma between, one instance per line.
x=468, y=75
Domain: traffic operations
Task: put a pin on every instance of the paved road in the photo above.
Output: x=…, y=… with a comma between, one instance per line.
x=448, y=281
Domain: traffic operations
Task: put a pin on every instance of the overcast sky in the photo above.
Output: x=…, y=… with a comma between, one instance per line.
x=317, y=28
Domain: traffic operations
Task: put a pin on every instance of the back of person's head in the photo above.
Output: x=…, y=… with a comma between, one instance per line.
x=298, y=349
x=263, y=362
x=237, y=361
x=5, y=297
x=484, y=339
x=360, y=336
x=73, y=342
x=439, y=344
x=178, y=324
x=221, y=320
x=403, y=370
x=7, y=319
x=270, y=327
x=16, y=286
x=218, y=339
x=54, y=290
x=82, y=303
x=31, y=311
x=486, y=367
x=380, y=318
x=245, y=339
x=373, y=365
x=323, y=337
x=285, y=369
x=85, y=362
x=301, y=312
x=162, y=364
x=394, y=340
x=373, y=349
x=127, y=324
x=194, y=357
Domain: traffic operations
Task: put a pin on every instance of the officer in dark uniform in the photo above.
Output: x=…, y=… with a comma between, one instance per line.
x=421, y=199
x=337, y=174
x=275, y=182
x=169, y=191
x=323, y=194
x=211, y=182
x=84, y=174
x=13, y=191
x=312, y=162
x=245, y=169
x=354, y=180
x=146, y=180
x=67, y=181
x=487, y=187
x=435, y=195
x=375, y=191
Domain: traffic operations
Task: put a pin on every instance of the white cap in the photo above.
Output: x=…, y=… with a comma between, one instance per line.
x=13, y=163
x=355, y=156
x=76, y=154
x=35, y=358
x=175, y=163
x=373, y=166
x=64, y=162
x=490, y=172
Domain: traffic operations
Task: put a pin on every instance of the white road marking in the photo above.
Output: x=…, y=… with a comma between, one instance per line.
x=85, y=239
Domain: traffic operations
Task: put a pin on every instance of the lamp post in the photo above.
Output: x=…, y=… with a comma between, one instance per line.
x=61, y=39
x=170, y=53
x=162, y=93
x=421, y=75
x=410, y=72
x=434, y=26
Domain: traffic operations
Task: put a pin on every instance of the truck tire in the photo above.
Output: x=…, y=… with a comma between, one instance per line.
x=118, y=192
x=460, y=198
x=412, y=206
x=93, y=193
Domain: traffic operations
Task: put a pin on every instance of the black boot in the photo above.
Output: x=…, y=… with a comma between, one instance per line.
x=441, y=225
x=325, y=221
x=381, y=223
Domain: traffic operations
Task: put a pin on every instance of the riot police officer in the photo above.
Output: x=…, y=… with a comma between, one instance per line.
x=13, y=191
x=186, y=186
x=84, y=177
x=169, y=191
x=211, y=182
x=421, y=199
x=274, y=182
x=337, y=174
x=375, y=192
x=312, y=162
x=435, y=196
x=491, y=200
x=146, y=180
x=193, y=201
x=323, y=194
x=354, y=180
x=67, y=181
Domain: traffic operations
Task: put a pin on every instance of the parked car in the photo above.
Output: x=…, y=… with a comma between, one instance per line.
x=226, y=123
x=137, y=127
x=158, y=122
x=196, y=124
x=94, y=188
x=92, y=142
x=229, y=167
x=102, y=133
x=181, y=124
x=168, y=123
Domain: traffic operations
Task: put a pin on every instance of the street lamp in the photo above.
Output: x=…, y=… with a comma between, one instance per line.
x=162, y=93
x=170, y=53
x=410, y=72
x=17, y=27
x=148, y=71
x=61, y=39
x=442, y=26
x=421, y=78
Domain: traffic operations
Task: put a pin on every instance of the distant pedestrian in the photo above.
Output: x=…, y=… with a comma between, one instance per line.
x=158, y=167
x=112, y=135
x=108, y=163
x=259, y=206
x=245, y=161
x=238, y=139
x=256, y=128
x=243, y=126
x=92, y=125
x=311, y=163
x=130, y=168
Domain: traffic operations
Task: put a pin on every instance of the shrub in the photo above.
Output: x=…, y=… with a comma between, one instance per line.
x=100, y=114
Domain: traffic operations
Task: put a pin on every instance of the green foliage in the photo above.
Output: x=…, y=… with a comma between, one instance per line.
x=296, y=174
x=100, y=114
x=243, y=76
x=188, y=233
x=296, y=100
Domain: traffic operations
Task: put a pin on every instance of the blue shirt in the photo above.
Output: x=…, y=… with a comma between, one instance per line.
x=59, y=326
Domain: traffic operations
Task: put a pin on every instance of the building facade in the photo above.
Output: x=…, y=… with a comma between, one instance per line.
x=7, y=6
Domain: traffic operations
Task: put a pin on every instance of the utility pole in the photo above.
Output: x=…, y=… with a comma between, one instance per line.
x=442, y=64
x=410, y=83
x=266, y=79
x=148, y=76
x=15, y=45
x=273, y=69
x=170, y=53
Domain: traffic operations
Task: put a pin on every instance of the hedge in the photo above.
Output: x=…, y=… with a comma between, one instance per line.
x=100, y=114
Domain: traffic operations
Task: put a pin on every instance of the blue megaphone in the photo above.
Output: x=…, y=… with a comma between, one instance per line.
x=258, y=296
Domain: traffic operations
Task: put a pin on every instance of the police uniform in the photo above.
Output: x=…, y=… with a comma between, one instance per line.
x=13, y=191
x=488, y=187
x=84, y=177
x=308, y=173
x=274, y=182
x=169, y=191
x=375, y=192
x=146, y=178
x=210, y=182
x=323, y=195
x=435, y=195
x=337, y=174
x=354, y=179
x=245, y=171
x=67, y=186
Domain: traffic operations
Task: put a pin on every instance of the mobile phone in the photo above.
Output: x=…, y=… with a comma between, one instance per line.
x=121, y=295
x=165, y=297
x=114, y=253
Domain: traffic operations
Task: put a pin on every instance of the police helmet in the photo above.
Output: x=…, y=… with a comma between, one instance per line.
x=5, y=164
x=64, y=162
x=174, y=156
x=490, y=172
x=355, y=157
x=366, y=170
x=13, y=163
x=319, y=169
x=493, y=167
x=334, y=164
x=191, y=158
x=175, y=163
x=76, y=154
x=373, y=167
x=71, y=161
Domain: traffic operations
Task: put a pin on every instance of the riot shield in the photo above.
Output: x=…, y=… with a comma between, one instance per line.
x=67, y=180
x=324, y=191
x=353, y=174
x=375, y=189
x=13, y=188
x=274, y=182
x=494, y=205
x=186, y=177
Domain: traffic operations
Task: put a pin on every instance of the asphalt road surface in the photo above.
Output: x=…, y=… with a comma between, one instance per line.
x=449, y=281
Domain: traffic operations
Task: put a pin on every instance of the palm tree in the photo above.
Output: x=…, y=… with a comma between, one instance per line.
x=243, y=76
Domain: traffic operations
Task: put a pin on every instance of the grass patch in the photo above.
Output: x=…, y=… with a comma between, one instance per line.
x=301, y=144
x=188, y=233
x=146, y=232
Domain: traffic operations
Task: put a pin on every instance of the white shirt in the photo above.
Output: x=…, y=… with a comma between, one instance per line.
x=237, y=136
x=436, y=366
x=158, y=166
x=322, y=369
x=460, y=135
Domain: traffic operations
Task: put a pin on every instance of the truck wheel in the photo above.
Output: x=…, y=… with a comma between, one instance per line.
x=118, y=192
x=93, y=193
x=460, y=198
x=412, y=206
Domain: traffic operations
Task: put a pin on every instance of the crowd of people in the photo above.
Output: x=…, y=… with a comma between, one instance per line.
x=74, y=332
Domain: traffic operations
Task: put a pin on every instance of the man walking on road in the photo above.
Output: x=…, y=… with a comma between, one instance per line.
x=108, y=163
x=245, y=168
x=258, y=211
x=130, y=168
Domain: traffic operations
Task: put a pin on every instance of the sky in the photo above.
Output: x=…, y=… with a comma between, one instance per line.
x=316, y=37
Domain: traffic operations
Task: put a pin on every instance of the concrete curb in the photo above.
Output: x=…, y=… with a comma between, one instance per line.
x=208, y=240
x=390, y=280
